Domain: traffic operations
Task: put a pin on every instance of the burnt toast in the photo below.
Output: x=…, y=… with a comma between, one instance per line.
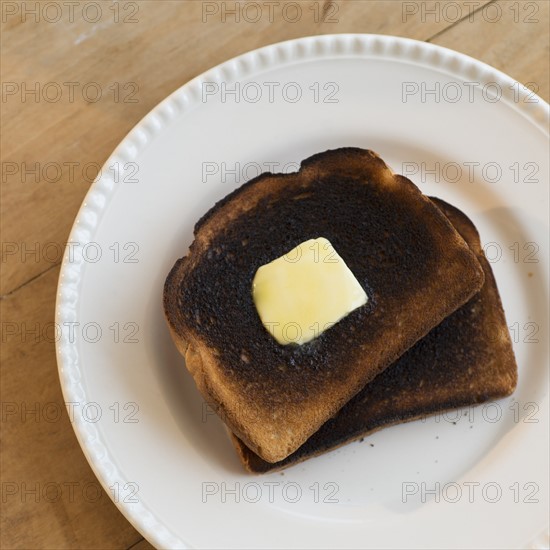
x=466, y=360
x=414, y=266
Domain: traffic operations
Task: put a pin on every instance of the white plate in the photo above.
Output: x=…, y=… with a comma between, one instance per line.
x=140, y=421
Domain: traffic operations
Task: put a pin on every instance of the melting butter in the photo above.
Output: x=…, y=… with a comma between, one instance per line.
x=303, y=293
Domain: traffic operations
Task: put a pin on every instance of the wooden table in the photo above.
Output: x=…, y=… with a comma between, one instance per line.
x=75, y=78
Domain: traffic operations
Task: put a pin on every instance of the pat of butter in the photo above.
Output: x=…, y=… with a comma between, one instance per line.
x=306, y=291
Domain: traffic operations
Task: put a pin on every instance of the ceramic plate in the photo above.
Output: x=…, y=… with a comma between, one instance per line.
x=461, y=131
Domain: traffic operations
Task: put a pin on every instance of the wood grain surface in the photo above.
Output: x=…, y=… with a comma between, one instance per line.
x=75, y=80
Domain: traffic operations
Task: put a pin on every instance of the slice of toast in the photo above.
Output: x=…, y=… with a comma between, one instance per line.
x=466, y=360
x=414, y=266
